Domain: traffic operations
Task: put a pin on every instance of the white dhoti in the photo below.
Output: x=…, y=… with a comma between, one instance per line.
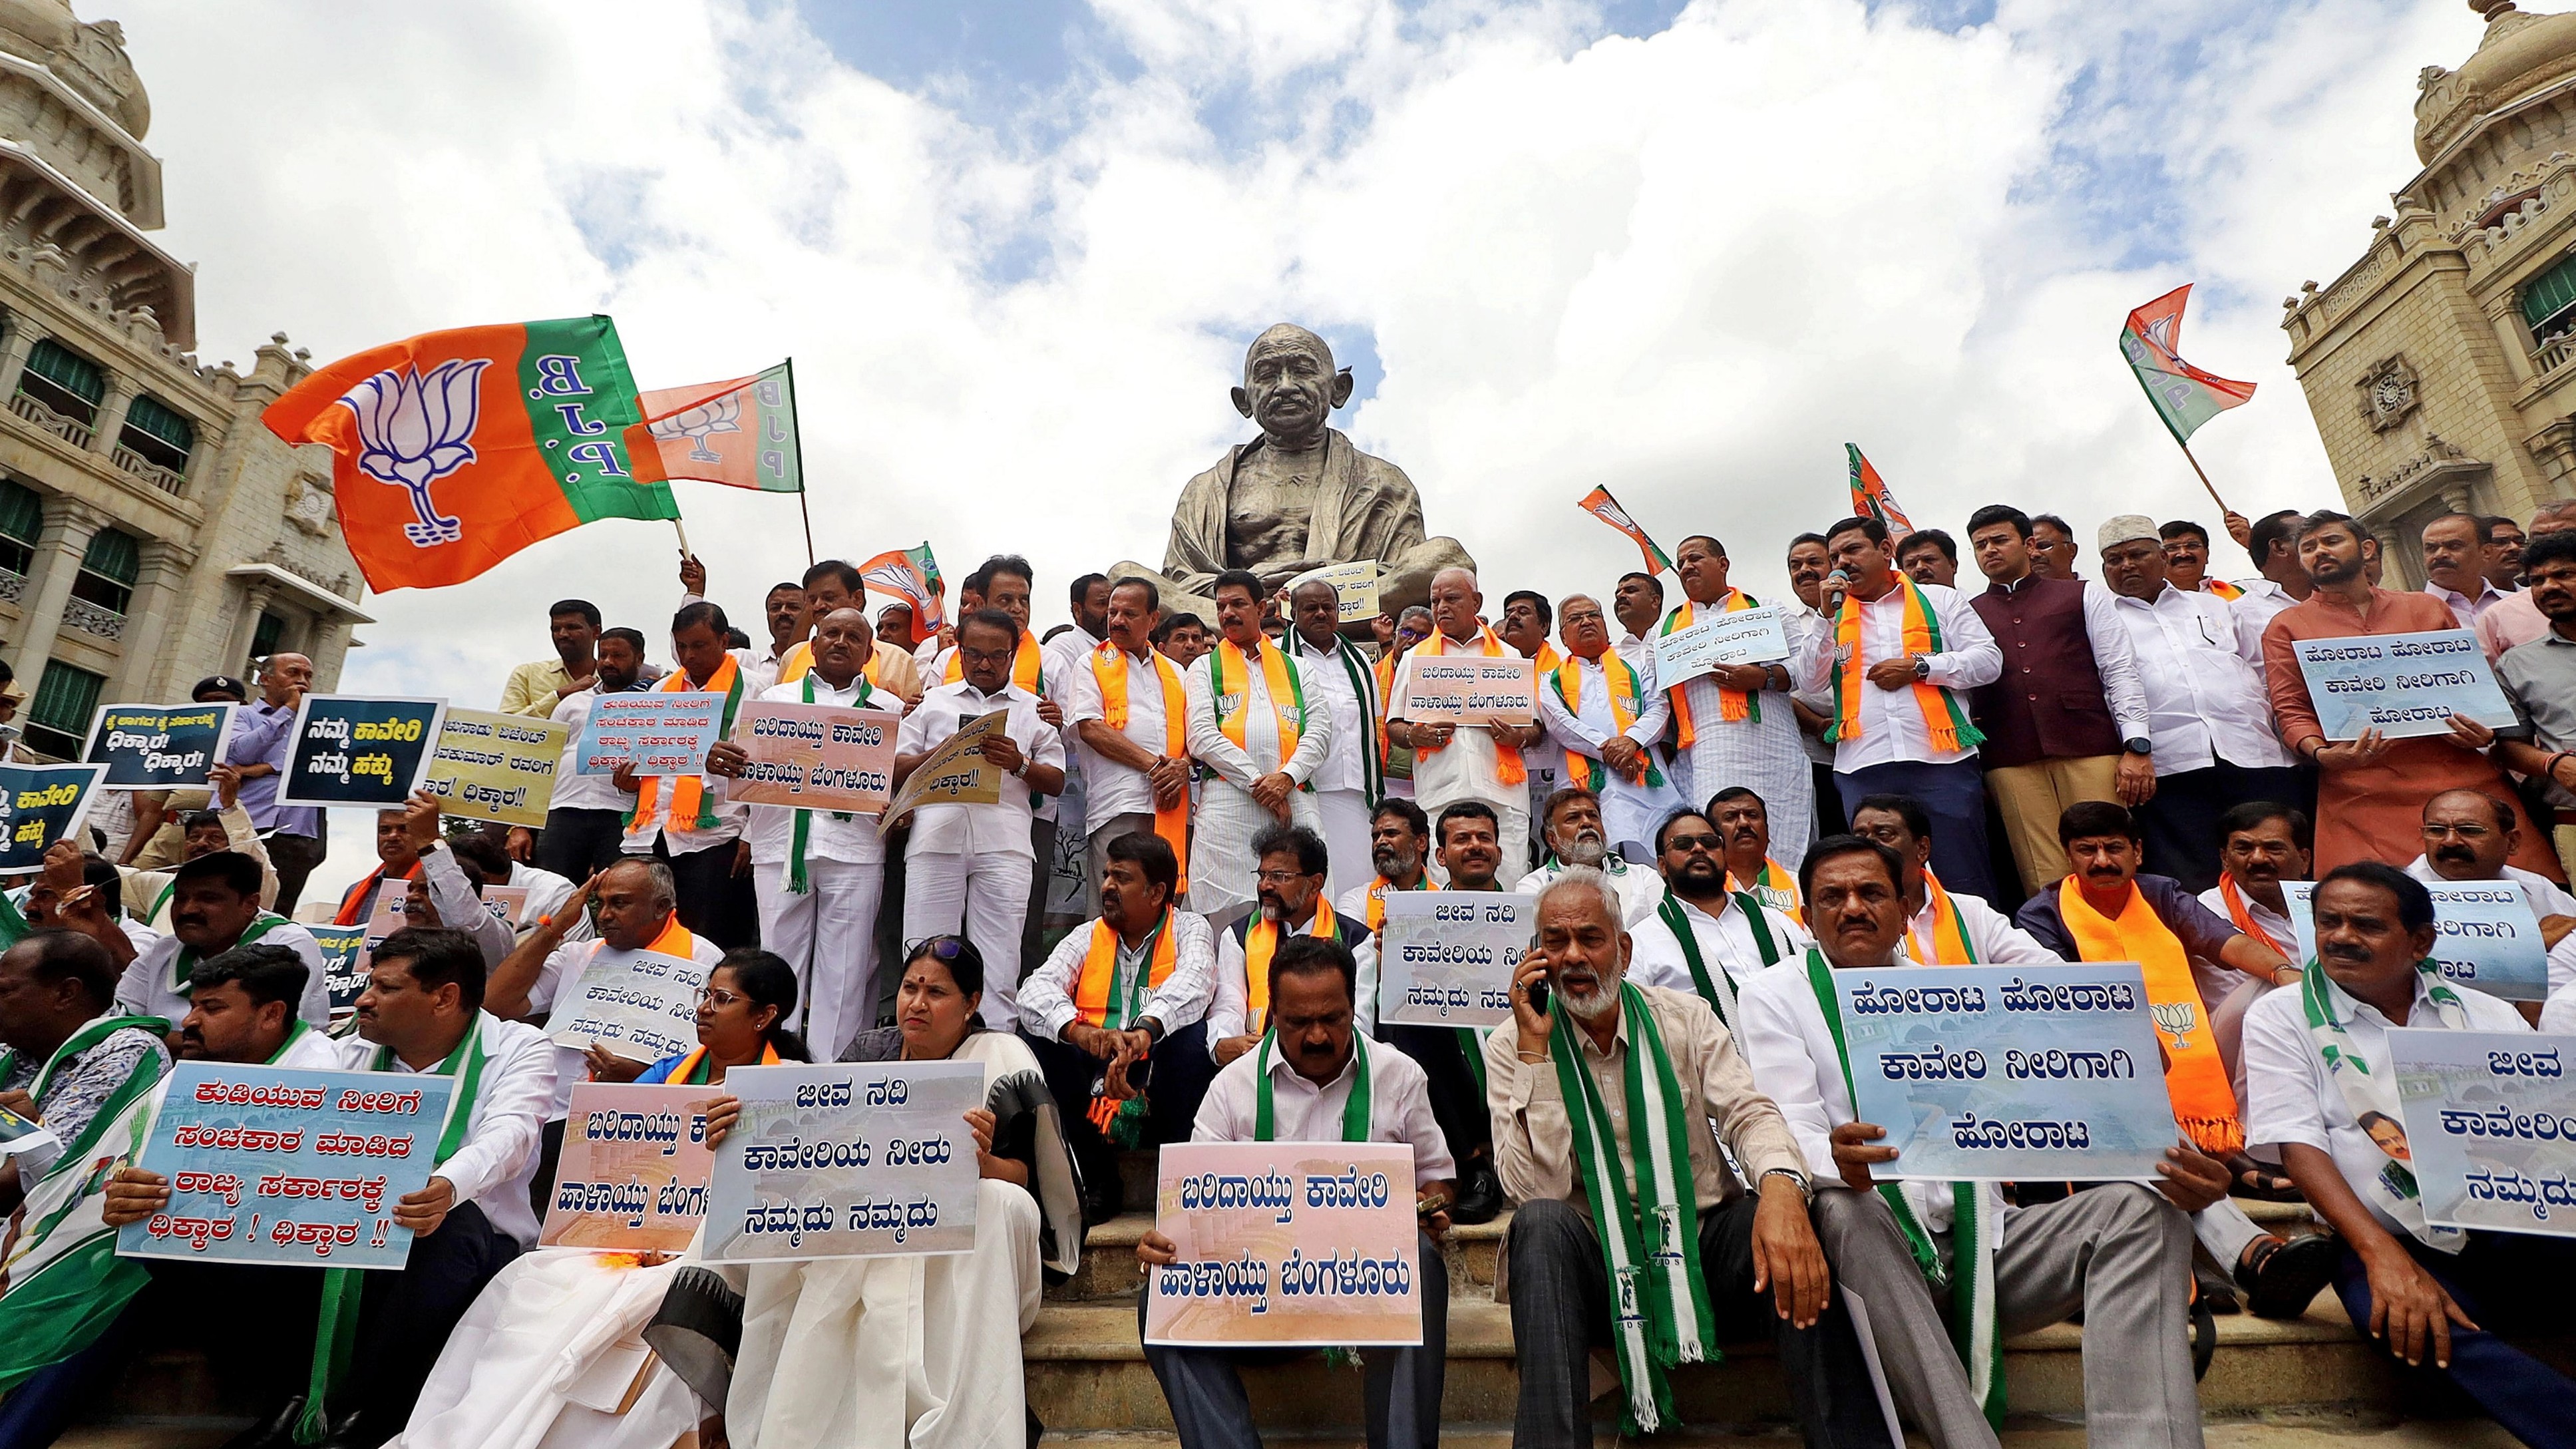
x=984, y=898
x=1221, y=863
x=893, y=1353
x=829, y=934
x=1345, y=814
x=1762, y=755
x=550, y=1355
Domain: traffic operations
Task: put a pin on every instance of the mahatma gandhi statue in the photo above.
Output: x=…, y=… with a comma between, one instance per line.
x=1300, y=496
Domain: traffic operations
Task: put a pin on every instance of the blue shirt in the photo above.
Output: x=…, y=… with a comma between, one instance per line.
x=262, y=734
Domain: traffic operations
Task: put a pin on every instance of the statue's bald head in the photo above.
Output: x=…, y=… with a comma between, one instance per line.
x=1289, y=385
x=1288, y=337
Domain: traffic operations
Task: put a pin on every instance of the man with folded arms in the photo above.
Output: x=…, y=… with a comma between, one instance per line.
x=1130, y=721
x=2324, y=1090
x=1260, y=738
x=1942, y=928
x=1315, y=1078
x=1633, y=1228
x=1703, y=937
x=1571, y=829
x=2120, y=1253
x=1601, y=707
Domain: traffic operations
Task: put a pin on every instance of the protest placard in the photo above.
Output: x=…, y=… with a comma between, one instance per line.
x=158, y=746
x=344, y=964
x=1468, y=689
x=657, y=733
x=40, y=804
x=1448, y=956
x=1284, y=1244
x=1354, y=588
x=633, y=1177
x=492, y=766
x=852, y=1160
x=19, y=1134
x=508, y=904
x=819, y=756
x=643, y=1007
x=1746, y=636
x=2401, y=684
x=956, y=773
x=288, y=1166
x=349, y=749
x=2490, y=1127
x=2484, y=935
x=2024, y=1072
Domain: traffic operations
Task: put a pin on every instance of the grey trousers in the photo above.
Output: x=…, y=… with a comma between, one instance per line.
x=2120, y=1252
x=1401, y=1393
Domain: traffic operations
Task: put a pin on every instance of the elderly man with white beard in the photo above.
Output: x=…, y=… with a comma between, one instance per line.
x=1572, y=830
x=1698, y=1258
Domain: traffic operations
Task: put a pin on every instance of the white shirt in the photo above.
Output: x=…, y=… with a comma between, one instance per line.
x=2467, y=607
x=1725, y=940
x=682, y=836
x=2289, y=1098
x=1470, y=766
x=499, y=1157
x=2547, y=897
x=576, y=791
x=2558, y=1018
x=561, y=975
x=997, y=829
x=547, y=892
x=1892, y=725
x=1640, y=889
x=460, y=906
x=2204, y=682
x=2263, y=601
x=146, y=988
x=1329, y=691
x=2274, y=924
x=1230, y=1005
x=1046, y=994
x=1110, y=788
x=1991, y=934
x=771, y=829
x=1399, y=1106
x=1584, y=729
x=1258, y=755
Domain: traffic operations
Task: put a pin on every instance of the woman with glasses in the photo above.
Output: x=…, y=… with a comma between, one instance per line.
x=742, y=1022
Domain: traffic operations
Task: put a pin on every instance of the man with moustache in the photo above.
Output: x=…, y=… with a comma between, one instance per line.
x=397, y=860
x=2053, y=547
x=1289, y=889
x=2538, y=668
x=1603, y=711
x=1399, y=842
x=783, y=609
x=1181, y=638
x=2120, y=1253
x=447, y=889
x=1130, y=720
x=2456, y=549
x=2262, y=843
x=819, y=875
x=586, y=819
x=1809, y=565
x=1942, y=928
x=1744, y=818
x=2320, y=1078
x=1258, y=731
x=214, y=907
x=2518, y=620
x=1703, y=936
x=1574, y=838
x=1929, y=556
x=1581, y=1270
x=1451, y=762
x=2469, y=836
x=1340, y=682
x=1734, y=725
x=1637, y=602
x=1298, y=1087
x=572, y=625
x=684, y=820
x=834, y=585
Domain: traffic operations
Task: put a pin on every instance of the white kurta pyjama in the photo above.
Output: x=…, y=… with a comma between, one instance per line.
x=1221, y=863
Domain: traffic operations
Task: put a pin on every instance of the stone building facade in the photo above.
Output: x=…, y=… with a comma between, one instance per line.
x=151, y=531
x=2441, y=367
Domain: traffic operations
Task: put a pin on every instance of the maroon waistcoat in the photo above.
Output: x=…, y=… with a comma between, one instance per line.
x=2049, y=703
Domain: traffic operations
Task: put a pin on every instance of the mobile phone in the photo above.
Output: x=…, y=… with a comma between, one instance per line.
x=1538, y=996
x=1140, y=1073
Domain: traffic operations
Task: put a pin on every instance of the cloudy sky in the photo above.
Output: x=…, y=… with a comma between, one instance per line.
x=1016, y=248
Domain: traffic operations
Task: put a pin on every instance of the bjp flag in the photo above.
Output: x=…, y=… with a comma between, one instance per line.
x=1870, y=497
x=1602, y=506
x=740, y=433
x=912, y=575
x=453, y=450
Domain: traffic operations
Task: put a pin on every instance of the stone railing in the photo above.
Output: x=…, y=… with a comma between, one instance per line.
x=168, y=481
x=90, y=618
x=13, y=586
x=70, y=429
x=2553, y=354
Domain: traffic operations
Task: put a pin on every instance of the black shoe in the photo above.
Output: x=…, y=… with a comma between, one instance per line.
x=1480, y=1197
x=1104, y=1196
x=355, y=1431
x=275, y=1431
x=2283, y=1278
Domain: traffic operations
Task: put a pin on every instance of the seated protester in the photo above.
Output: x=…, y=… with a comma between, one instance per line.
x=2323, y=1092
x=1706, y=939
x=67, y=1047
x=2262, y=843
x=1660, y=1283
x=485, y=860
x=1298, y=1085
x=1131, y=987
x=215, y=908
x=638, y=914
x=2558, y=1016
x=1941, y=929
x=1452, y=1057
x=923, y=1351
x=1288, y=886
x=398, y=859
x=149, y=892
x=1399, y=843
x=2469, y=836
x=447, y=889
x=1745, y=821
x=742, y=1019
x=2120, y=1254
x=1570, y=828
x=41, y=905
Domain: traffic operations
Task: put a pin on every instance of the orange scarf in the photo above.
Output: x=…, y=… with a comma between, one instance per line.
x=2223, y=589
x=1378, y=887
x=1942, y=718
x=1507, y=757
x=2204, y=1102
x=1100, y=971
x=697, y=1056
x=688, y=792
x=1775, y=888
x=1733, y=705
x=1109, y=667
x=1259, y=944
x=351, y=903
x=1287, y=695
x=2243, y=915
x=1024, y=666
x=1627, y=694
x=1949, y=945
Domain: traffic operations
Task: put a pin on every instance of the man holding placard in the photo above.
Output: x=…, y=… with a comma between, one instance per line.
x=397, y=860
x=214, y=907
x=1703, y=937
x=447, y=889
x=1601, y=707
x=1259, y=738
x=1732, y=721
x=1571, y=829
x=2324, y=1089
x=1470, y=749
x=1941, y=928
x=1313, y=1081
x=148, y=893
x=2120, y=1252
x=685, y=820
x=585, y=819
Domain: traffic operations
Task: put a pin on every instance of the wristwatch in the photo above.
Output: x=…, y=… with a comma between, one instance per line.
x=1806, y=1186
x=2139, y=746
x=1923, y=666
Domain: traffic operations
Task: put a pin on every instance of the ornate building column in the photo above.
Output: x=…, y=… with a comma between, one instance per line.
x=111, y=414
x=18, y=337
x=141, y=672
x=68, y=528
x=255, y=599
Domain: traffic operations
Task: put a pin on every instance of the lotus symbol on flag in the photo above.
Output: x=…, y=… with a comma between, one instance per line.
x=724, y=415
x=417, y=430
x=2177, y=1018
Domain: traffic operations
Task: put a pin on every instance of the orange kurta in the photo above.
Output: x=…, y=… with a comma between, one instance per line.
x=2376, y=811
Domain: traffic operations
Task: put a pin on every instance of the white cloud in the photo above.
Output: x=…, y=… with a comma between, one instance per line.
x=1689, y=266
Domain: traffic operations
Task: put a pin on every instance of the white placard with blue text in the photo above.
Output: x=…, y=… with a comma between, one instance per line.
x=2490, y=1127
x=2484, y=935
x=846, y=1160
x=1745, y=636
x=2401, y=684
x=2036, y=1073
x=1447, y=957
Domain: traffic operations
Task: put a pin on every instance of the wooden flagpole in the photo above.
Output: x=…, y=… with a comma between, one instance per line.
x=796, y=428
x=2204, y=476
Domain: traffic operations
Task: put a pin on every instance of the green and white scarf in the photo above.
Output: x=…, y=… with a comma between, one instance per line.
x=184, y=965
x=805, y=818
x=1716, y=987
x=2366, y=1090
x=1648, y=1227
x=335, y=1332
x=1355, y=1112
x=1364, y=686
x=1976, y=1330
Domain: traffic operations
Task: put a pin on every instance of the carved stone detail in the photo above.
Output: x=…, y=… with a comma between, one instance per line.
x=2388, y=392
x=309, y=504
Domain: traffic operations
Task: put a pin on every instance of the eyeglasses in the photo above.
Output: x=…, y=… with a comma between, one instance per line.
x=1712, y=842
x=937, y=948
x=718, y=997
x=1281, y=877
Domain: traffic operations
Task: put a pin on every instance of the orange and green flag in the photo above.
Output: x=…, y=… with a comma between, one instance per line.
x=1870, y=497
x=912, y=575
x=453, y=450
x=741, y=433
x=1602, y=506
x=2183, y=395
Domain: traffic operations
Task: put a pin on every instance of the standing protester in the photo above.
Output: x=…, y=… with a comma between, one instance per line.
x=156, y=839
x=2505, y=542
x=2539, y=675
x=2456, y=546
x=1130, y=719
x=783, y=609
x=1526, y=620
x=263, y=734
x=1734, y=725
x=1182, y=638
x=2280, y=579
x=1637, y=602
x=1257, y=732
x=1929, y=556
x=1342, y=683
x=2185, y=545
x=586, y=819
x=684, y=820
x=2052, y=547
x=1452, y=763
x=537, y=686
x=2518, y=619
x=1809, y=565
x=1603, y=711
